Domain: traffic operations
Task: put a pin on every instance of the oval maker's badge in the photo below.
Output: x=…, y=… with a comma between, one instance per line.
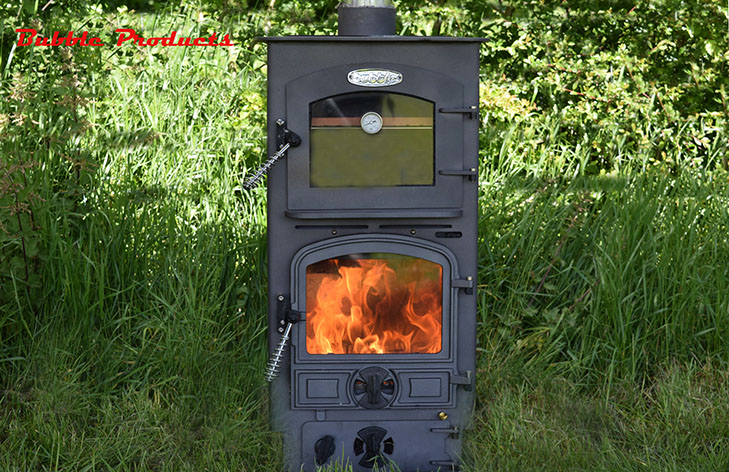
x=374, y=77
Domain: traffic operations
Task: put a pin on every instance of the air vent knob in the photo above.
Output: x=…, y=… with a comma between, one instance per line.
x=324, y=449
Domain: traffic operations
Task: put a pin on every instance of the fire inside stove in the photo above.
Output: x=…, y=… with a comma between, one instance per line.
x=374, y=303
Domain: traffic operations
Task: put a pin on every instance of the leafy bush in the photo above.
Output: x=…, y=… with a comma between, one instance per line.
x=634, y=84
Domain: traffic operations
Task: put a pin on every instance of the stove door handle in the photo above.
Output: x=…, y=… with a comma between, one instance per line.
x=253, y=180
x=274, y=364
x=286, y=139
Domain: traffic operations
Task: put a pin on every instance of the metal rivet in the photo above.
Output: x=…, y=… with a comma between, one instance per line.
x=443, y=415
x=469, y=278
x=280, y=298
x=280, y=330
x=412, y=231
x=281, y=322
x=334, y=231
x=280, y=122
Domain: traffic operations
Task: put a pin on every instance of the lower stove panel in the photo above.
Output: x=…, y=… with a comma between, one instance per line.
x=335, y=389
x=421, y=445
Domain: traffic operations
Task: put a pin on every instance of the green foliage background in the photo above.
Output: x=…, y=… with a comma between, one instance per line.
x=132, y=265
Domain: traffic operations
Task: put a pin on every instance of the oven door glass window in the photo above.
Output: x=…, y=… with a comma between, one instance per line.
x=374, y=303
x=371, y=139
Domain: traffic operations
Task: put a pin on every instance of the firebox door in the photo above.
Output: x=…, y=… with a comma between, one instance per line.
x=389, y=296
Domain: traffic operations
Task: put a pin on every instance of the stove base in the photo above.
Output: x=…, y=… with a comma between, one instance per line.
x=423, y=445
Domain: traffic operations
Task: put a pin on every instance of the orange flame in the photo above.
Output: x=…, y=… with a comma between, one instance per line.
x=374, y=306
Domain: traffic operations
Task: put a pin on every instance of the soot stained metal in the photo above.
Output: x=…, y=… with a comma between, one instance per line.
x=372, y=210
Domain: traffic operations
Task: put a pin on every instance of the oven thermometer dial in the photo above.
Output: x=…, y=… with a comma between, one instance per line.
x=371, y=122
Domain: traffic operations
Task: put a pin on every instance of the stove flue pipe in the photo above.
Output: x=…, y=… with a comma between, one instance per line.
x=366, y=18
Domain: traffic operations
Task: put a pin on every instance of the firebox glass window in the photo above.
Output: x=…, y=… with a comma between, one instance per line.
x=374, y=303
x=371, y=139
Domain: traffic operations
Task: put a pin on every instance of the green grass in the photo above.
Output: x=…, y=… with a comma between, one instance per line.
x=608, y=276
x=133, y=281
x=677, y=421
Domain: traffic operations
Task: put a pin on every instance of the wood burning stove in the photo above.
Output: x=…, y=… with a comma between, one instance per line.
x=372, y=243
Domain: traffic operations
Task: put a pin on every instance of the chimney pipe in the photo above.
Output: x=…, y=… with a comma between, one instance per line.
x=366, y=18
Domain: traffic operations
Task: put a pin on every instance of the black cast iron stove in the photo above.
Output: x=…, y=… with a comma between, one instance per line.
x=372, y=243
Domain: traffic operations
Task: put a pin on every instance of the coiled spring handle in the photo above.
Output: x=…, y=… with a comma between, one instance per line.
x=286, y=139
x=286, y=319
x=274, y=364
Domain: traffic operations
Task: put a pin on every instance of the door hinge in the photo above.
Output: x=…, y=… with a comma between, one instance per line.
x=452, y=466
x=471, y=173
x=451, y=432
x=471, y=111
x=465, y=380
x=466, y=284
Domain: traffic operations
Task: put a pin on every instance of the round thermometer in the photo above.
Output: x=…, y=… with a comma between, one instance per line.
x=371, y=122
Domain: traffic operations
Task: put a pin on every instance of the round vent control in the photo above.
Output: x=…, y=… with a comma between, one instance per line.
x=374, y=387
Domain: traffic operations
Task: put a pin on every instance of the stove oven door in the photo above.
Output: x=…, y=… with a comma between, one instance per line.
x=390, y=151
x=378, y=308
